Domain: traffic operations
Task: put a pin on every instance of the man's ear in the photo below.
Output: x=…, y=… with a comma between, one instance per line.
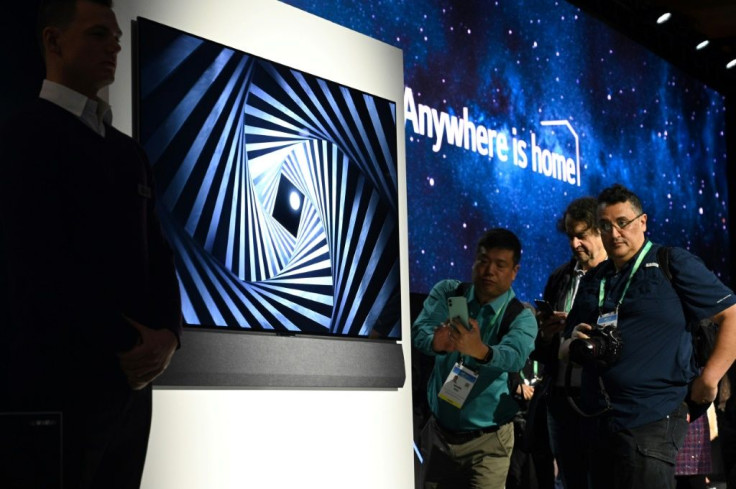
x=50, y=37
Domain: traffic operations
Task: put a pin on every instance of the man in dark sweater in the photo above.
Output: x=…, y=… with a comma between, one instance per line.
x=579, y=222
x=92, y=312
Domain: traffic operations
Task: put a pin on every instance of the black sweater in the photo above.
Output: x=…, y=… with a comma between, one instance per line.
x=81, y=247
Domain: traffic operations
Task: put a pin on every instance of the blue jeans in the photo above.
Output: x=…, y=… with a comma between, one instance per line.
x=641, y=457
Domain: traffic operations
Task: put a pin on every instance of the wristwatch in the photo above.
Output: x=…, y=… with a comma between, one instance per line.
x=488, y=356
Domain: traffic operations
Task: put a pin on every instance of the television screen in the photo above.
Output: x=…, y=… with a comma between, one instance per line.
x=513, y=109
x=277, y=189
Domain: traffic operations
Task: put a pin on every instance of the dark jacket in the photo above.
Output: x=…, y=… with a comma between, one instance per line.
x=555, y=292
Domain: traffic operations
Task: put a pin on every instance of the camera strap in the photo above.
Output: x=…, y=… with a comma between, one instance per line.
x=574, y=405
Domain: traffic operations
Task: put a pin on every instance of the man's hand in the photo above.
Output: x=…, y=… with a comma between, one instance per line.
x=701, y=392
x=468, y=341
x=551, y=325
x=705, y=387
x=577, y=332
x=453, y=336
x=150, y=357
x=525, y=391
x=441, y=341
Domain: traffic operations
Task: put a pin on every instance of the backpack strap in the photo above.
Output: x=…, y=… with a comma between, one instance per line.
x=663, y=259
x=704, y=331
x=513, y=309
x=462, y=287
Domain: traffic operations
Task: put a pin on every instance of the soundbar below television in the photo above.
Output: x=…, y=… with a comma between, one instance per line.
x=278, y=192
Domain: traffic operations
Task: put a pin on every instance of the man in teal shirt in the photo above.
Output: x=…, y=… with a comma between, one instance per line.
x=469, y=439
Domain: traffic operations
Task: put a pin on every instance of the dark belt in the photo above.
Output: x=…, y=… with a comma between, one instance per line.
x=460, y=437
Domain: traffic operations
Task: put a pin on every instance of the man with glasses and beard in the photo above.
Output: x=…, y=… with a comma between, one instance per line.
x=628, y=328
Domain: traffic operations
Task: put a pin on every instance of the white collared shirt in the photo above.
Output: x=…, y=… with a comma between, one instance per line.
x=94, y=113
x=578, y=273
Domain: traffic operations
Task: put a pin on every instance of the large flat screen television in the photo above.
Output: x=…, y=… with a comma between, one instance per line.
x=277, y=190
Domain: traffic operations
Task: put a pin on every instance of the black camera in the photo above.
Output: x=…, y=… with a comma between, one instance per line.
x=602, y=348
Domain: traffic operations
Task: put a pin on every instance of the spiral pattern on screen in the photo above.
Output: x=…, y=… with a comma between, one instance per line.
x=224, y=132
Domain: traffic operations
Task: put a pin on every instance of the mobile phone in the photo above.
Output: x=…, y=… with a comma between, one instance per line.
x=458, y=307
x=545, y=308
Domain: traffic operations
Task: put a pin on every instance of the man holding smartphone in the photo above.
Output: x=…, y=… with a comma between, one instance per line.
x=469, y=438
x=579, y=222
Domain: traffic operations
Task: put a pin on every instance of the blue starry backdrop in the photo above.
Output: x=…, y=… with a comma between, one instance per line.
x=514, y=108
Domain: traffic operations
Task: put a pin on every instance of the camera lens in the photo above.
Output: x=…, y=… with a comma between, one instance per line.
x=582, y=351
x=603, y=347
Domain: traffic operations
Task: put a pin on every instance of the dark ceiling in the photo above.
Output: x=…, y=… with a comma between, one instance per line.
x=692, y=21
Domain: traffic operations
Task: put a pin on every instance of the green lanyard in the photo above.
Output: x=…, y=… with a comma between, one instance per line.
x=535, y=370
x=570, y=291
x=602, y=289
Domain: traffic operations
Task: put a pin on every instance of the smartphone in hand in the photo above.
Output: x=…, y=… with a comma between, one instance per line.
x=545, y=308
x=458, y=307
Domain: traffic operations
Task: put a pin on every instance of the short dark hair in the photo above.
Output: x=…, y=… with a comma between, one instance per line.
x=583, y=209
x=503, y=239
x=59, y=13
x=617, y=194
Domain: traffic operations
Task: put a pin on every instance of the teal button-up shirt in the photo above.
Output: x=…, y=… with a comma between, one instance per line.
x=489, y=402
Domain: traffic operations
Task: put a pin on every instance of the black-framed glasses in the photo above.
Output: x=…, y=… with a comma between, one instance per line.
x=620, y=224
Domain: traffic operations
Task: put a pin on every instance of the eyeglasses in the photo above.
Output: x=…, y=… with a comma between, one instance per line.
x=620, y=224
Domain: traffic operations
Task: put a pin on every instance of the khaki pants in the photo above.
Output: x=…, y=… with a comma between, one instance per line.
x=481, y=463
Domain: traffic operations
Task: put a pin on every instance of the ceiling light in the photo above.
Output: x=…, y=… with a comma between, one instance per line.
x=664, y=18
x=731, y=63
x=702, y=45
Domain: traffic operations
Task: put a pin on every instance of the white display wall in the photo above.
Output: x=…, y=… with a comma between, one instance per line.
x=238, y=438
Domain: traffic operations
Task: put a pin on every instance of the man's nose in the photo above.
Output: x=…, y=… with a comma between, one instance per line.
x=114, y=45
